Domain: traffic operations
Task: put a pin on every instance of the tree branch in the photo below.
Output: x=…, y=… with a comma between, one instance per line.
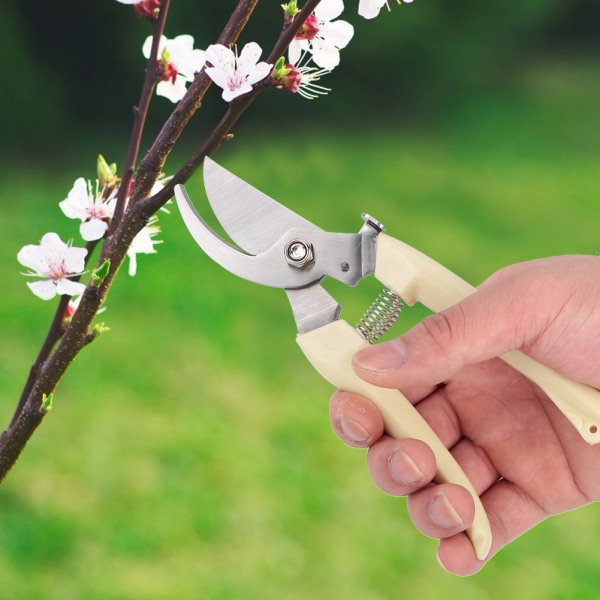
x=234, y=112
x=154, y=160
x=140, y=112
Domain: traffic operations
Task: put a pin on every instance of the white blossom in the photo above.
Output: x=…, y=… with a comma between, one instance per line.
x=322, y=36
x=143, y=243
x=90, y=207
x=177, y=63
x=55, y=262
x=369, y=9
x=236, y=74
x=300, y=78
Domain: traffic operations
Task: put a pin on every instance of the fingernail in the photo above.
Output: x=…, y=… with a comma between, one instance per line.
x=441, y=562
x=403, y=468
x=442, y=513
x=382, y=357
x=353, y=431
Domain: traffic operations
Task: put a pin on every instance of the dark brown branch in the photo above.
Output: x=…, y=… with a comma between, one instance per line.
x=140, y=113
x=54, y=334
x=50, y=371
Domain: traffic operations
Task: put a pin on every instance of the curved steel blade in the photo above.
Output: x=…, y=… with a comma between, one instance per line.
x=252, y=219
x=268, y=268
x=338, y=255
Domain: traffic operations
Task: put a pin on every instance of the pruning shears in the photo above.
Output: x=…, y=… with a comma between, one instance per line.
x=279, y=248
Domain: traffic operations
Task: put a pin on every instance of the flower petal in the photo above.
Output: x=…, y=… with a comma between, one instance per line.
x=66, y=287
x=180, y=45
x=75, y=259
x=248, y=58
x=338, y=33
x=218, y=76
x=147, y=47
x=94, y=229
x=324, y=55
x=369, y=9
x=220, y=57
x=30, y=256
x=77, y=201
x=294, y=52
x=46, y=290
x=191, y=64
x=132, y=270
x=228, y=95
x=261, y=70
x=52, y=242
x=187, y=60
x=328, y=10
x=172, y=91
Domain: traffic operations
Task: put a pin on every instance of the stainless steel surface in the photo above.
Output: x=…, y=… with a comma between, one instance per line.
x=338, y=255
x=313, y=307
x=252, y=219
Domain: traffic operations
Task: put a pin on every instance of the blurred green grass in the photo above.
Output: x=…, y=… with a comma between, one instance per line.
x=189, y=452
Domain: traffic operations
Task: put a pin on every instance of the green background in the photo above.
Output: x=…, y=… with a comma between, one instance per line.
x=189, y=453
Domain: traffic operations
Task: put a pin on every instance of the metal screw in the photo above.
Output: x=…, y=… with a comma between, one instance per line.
x=344, y=267
x=299, y=253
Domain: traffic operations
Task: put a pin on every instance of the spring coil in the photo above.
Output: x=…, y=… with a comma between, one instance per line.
x=381, y=316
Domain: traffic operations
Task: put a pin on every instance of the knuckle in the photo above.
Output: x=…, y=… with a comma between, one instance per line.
x=445, y=327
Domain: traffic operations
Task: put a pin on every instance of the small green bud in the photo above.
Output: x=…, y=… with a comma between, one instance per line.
x=47, y=402
x=100, y=273
x=95, y=331
x=290, y=10
x=100, y=328
x=107, y=174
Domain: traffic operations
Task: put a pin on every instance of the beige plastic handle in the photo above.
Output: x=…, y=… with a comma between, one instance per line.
x=330, y=350
x=416, y=277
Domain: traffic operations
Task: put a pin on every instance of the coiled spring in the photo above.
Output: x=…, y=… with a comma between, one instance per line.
x=381, y=316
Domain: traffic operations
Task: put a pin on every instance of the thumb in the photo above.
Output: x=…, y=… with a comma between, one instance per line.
x=491, y=321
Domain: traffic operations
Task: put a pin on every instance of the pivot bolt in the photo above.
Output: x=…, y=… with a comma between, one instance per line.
x=299, y=254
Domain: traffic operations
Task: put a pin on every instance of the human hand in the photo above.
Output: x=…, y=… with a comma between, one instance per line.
x=524, y=458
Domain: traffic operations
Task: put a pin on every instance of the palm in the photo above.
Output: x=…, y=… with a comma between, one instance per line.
x=523, y=457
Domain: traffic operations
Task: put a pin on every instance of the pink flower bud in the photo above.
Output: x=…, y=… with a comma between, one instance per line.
x=148, y=9
x=167, y=70
x=309, y=29
x=287, y=78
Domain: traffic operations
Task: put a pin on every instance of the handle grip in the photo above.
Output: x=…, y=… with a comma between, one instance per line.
x=416, y=277
x=330, y=350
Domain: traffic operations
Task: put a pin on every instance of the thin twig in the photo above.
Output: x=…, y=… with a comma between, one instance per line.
x=54, y=334
x=140, y=112
x=153, y=162
x=234, y=112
